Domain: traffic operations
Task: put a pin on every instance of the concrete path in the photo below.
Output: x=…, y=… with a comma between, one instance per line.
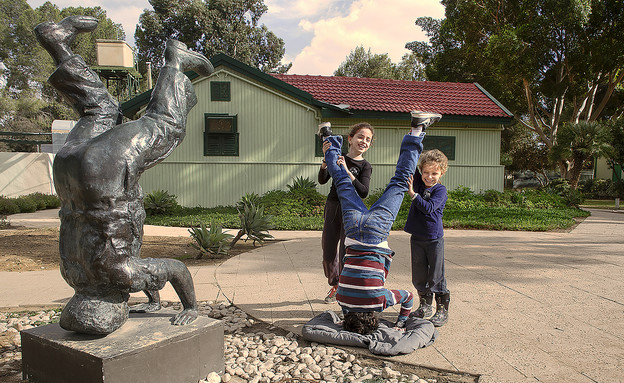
x=525, y=306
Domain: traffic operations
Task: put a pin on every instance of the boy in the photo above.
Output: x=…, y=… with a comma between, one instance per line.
x=361, y=290
x=424, y=223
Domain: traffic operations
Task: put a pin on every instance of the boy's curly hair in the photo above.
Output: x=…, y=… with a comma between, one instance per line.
x=361, y=323
x=433, y=156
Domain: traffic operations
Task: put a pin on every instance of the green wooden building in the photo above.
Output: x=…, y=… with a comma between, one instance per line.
x=255, y=132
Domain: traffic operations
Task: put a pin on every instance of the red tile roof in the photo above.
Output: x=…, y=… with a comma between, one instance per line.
x=381, y=95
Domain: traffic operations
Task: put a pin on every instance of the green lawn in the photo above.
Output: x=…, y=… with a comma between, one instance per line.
x=485, y=218
x=601, y=204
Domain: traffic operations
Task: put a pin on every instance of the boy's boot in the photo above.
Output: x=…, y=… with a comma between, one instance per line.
x=324, y=130
x=441, y=316
x=425, y=310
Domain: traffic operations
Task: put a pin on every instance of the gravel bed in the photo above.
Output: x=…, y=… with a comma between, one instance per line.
x=254, y=352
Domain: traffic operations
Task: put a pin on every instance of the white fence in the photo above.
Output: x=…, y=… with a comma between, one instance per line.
x=25, y=173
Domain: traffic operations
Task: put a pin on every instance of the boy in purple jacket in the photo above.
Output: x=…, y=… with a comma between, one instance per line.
x=424, y=223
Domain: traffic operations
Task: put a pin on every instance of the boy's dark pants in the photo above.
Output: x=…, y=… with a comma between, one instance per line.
x=428, y=266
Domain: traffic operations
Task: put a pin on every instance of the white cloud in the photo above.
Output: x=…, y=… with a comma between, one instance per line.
x=289, y=9
x=383, y=27
x=319, y=34
x=120, y=11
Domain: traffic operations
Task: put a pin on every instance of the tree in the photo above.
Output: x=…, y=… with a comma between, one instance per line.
x=365, y=64
x=580, y=142
x=615, y=154
x=27, y=102
x=211, y=27
x=549, y=61
x=524, y=152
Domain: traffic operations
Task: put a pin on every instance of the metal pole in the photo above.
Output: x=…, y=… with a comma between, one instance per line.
x=149, y=74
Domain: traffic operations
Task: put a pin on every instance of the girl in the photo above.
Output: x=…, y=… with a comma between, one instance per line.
x=359, y=172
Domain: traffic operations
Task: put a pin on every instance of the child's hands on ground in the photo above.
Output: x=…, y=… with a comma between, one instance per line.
x=399, y=325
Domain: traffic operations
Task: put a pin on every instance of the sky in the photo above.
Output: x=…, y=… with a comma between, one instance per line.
x=318, y=34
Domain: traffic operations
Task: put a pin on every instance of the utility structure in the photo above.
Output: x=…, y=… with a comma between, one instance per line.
x=117, y=67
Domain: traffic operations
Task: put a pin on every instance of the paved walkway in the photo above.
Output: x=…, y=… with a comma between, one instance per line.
x=525, y=306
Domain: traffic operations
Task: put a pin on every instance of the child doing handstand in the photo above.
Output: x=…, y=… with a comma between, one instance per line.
x=359, y=171
x=361, y=290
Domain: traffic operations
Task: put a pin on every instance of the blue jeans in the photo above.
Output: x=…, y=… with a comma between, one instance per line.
x=372, y=226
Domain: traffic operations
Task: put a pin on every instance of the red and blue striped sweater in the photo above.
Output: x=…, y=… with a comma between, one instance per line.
x=361, y=284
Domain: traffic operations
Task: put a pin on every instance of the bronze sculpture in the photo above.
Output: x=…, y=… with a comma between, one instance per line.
x=96, y=175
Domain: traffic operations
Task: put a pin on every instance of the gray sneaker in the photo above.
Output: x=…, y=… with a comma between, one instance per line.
x=331, y=295
x=324, y=130
x=424, y=119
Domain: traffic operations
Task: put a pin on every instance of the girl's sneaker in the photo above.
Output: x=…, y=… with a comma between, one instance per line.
x=331, y=295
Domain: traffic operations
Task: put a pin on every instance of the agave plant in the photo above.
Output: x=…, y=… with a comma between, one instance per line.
x=254, y=223
x=248, y=199
x=160, y=202
x=301, y=183
x=213, y=241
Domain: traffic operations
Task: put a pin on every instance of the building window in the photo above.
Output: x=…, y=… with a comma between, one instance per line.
x=220, y=135
x=220, y=91
x=318, y=148
x=445, y=144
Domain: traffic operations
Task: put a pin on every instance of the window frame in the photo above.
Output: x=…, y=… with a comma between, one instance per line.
x=221, y=144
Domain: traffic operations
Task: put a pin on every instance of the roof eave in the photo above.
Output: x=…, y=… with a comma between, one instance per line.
x=452, y=118
x=494, y=100
x=132, y=106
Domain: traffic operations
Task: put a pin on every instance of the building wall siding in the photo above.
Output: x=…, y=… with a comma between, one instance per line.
x=276, y=144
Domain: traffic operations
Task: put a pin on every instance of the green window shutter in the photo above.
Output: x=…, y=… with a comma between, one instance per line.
x=445, y=144
x=318, y=148
x=220, y=135
x=220, y=91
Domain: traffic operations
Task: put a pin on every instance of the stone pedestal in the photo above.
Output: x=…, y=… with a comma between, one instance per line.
x=147, y=348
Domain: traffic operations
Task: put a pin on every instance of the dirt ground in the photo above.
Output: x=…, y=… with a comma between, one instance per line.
x=25, y=249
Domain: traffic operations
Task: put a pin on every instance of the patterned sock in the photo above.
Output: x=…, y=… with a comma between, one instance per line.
x=416, y=131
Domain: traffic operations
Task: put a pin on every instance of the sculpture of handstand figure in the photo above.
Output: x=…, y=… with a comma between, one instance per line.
x=96, y=175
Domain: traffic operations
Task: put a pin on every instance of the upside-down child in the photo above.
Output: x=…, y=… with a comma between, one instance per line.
x=361, y=286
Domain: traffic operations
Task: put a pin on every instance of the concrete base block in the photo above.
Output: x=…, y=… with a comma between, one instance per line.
x=147, y=348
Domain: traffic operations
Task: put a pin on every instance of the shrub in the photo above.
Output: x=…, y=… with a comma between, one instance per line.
x=558, y=186
x=8, y=206
x=45, y=201
x=160, y=202
x=299, y=183
x=600, y=188
x=574, y=198
x=26, y=204
x=299, y=202
x=213, y=241
x=492, y=196
x=464, y=198
x=462, y=193
x=4, y=222
x=616, y=189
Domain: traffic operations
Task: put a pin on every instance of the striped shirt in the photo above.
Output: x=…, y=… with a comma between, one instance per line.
x=361, y=284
